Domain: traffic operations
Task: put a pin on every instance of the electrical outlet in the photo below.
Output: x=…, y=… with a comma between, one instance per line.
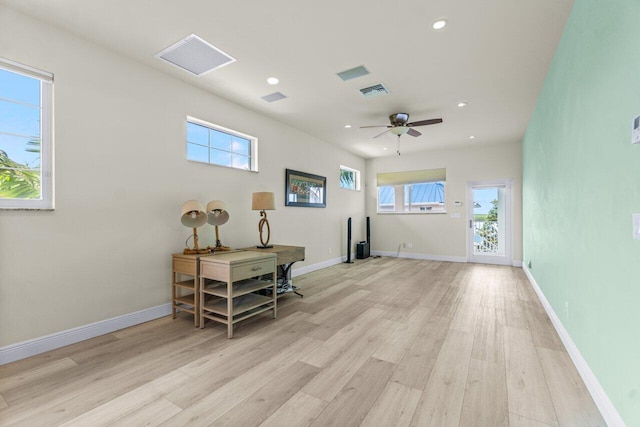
x=409, y=246
x=329, y=251
x=635, y=220
x=566, y=309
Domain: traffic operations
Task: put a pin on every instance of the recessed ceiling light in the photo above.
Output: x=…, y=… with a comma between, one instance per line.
x=384, y=148
x=472, y=137
x=273, y=81
x=462, y=104
x=347, y=126
x=439, y=24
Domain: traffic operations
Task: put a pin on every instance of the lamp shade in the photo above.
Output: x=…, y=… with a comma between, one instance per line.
x=216, y=213
x=193, y=214
x=263, y=201
x=216, y=205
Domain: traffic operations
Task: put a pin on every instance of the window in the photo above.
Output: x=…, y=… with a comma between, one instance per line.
x=412, y=191
x=216, y=145
x=26, y=146
x=349, y=178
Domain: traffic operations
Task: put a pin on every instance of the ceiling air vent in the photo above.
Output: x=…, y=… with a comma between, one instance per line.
x=375, y=90
x=195, y=55
x=353, y=73
x=272, y=97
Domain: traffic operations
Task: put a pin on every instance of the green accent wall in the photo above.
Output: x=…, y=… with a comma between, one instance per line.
x=581, y=183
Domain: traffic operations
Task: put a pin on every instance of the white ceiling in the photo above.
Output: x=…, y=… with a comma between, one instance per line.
x=494, y=54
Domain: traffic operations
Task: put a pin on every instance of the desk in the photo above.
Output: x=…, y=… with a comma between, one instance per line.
x=230, y=286
x=287, y=255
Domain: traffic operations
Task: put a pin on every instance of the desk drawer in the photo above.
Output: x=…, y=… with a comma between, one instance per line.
x=185, y=266
x=251, y=270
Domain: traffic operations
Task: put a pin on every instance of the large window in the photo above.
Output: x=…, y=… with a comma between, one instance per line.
x=26, y=146
x=208, y=143
x=412, y=191
x=349, y=178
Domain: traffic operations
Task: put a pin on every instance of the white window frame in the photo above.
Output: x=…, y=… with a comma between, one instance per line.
x=356, y=175
x=401, y=180
x=253, y=155
x=46, y=200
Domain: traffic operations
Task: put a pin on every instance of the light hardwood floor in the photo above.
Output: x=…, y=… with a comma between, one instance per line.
x=382, y=342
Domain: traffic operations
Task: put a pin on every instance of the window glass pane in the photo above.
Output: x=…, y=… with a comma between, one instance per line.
x=240, y=162
x=23, y=150
x=20, y=144
x=197, y=134
x=240, y=146
x=19, y=88
x=220, y=157
x=197, y=153
x=221, y=146
x=19, y=119
x=386, y=199
x=220, y=140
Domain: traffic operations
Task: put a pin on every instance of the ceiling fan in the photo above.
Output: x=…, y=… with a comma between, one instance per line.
x=399, y=126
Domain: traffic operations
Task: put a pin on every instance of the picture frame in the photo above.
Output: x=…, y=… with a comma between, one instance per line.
x=305, y=189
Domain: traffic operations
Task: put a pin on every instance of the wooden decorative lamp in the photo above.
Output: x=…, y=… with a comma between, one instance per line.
x=263, y=201
x=217, y=215
x=194, y=216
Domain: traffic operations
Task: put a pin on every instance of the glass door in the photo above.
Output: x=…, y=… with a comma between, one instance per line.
x=489, y=222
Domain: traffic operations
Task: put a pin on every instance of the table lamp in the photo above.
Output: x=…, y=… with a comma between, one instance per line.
x=194, y=216
x=263, y=201
x=217, y=215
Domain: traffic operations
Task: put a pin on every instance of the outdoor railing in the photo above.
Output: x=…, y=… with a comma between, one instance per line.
x=485, y=235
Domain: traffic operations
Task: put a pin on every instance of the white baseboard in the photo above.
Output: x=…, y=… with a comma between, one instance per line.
x=420, y=256
x=608, y=411
x=324, y=264
x=516, y=263
x=39, y=345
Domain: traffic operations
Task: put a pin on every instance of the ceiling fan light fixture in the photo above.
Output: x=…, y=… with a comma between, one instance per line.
x=399, y=130
x=439, y=24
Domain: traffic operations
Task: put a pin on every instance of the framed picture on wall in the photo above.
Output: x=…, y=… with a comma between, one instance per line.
x=305, y=189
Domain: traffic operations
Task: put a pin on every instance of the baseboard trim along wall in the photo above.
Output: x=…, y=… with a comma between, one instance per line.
x=35, y=346
x=420, y=256
x=39, y=345
x=608, y=411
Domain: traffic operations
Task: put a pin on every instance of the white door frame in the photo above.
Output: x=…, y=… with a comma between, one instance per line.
x=507, y=259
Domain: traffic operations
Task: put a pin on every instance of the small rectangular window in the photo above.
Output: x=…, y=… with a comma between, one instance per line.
x=26, y=143
x=349, y=178
x=412, y=192
x=213, y=144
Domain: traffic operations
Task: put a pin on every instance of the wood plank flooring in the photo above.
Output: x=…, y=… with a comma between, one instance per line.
x=382, y=342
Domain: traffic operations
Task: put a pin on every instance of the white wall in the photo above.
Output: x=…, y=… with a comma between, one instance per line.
x=121, y=178
x=439, y=236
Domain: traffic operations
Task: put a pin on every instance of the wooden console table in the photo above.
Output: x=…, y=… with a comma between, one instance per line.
x=286, y=256
x=231, y=285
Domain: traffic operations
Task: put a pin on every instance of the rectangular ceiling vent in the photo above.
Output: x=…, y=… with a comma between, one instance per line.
x=272, y=97
x=375, y=90
x=195, y=55
x=353, y=73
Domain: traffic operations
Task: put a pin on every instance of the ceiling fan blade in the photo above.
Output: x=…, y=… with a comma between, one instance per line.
x=424, y=122
x=380, y=134
x=375, y=126
x=413, y=132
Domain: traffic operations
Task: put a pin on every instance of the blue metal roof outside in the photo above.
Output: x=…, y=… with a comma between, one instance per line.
x=431, y=192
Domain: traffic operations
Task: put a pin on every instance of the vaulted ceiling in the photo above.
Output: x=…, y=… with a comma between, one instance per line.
x=492, y=54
